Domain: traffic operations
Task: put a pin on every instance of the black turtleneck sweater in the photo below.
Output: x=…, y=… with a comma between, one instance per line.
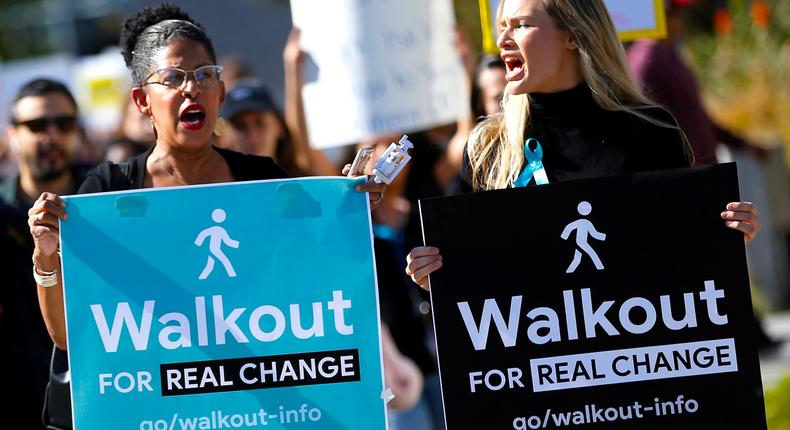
x=581, y=140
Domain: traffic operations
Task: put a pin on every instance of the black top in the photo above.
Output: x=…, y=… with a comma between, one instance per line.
x=421, y=184
x=397, y=308
x=24, y=340
x=243, y=167
x=9, y=189
x=581, y=140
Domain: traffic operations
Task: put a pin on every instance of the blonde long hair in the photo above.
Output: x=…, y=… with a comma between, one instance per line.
x=495, y=146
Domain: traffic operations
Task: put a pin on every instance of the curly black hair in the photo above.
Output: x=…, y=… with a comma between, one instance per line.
x=147, y=31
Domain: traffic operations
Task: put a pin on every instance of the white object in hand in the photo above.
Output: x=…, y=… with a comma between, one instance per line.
x=392, y=162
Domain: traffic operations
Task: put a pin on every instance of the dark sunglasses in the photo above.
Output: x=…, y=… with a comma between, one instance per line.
x=65, y=124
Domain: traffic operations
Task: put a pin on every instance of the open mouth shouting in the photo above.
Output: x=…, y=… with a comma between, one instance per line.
x=193, y=117
x=515, y=67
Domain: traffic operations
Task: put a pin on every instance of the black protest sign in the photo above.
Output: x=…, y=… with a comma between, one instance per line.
x=613, y=303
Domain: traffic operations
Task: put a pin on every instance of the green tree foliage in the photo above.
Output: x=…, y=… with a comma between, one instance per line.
x=777, y=406
x=742, y=60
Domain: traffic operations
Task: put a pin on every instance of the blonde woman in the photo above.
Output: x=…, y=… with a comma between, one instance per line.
x=569, y=90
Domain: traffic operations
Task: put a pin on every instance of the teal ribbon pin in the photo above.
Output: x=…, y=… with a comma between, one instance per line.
x=534, y=168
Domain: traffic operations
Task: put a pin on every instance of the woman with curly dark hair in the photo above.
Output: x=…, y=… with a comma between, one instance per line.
x=178, y=86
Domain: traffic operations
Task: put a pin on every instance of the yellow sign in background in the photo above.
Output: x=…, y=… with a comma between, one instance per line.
x=634, y=19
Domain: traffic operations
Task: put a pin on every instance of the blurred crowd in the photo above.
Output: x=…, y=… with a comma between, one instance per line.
x=46, y=149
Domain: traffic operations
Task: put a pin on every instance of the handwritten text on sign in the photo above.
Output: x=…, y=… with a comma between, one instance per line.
x=378, y=67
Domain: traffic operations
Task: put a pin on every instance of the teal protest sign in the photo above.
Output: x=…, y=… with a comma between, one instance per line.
x=247, y=305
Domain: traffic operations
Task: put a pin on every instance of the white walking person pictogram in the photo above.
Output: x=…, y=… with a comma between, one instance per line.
x=217, y=236
x=583, y=228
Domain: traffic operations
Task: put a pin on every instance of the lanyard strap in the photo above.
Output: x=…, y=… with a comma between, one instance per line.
x=534, y=168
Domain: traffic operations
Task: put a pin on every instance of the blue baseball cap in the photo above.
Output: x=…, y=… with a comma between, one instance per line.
x=246, y=97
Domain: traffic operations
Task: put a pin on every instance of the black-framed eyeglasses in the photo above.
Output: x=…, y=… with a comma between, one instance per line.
x=64, y=123
x=173, y=77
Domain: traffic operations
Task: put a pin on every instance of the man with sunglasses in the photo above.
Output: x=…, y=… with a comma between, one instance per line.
x=43, y=135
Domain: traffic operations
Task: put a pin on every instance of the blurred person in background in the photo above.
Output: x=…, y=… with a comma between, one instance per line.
x=487, y=82
x=89, y=151
x=253, y=124
x=234, y=69
x=456, y=143
x=8, y=164
x=400, y=301
x=135, y=135
x=306, y=157
x=24, y=340
x=401, y=374
x=418, y=405
x=664, y=77
x=44, y=136
x=489, y=86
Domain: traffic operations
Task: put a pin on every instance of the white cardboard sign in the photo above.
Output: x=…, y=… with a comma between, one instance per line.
x=378, y=67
